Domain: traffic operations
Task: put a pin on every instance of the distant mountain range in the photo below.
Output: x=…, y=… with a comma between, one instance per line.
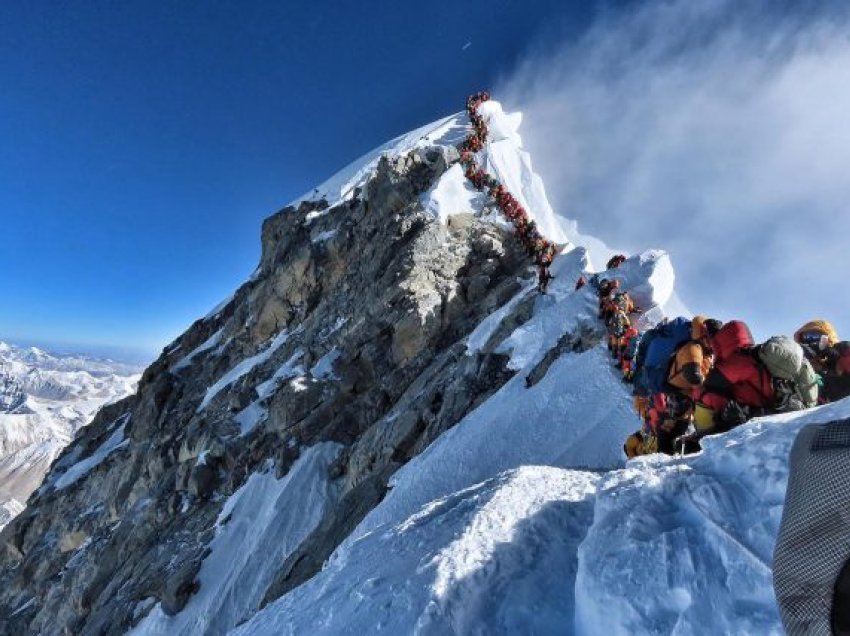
x=44, y=400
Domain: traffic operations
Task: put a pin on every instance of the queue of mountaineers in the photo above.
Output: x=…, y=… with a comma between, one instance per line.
x=699, y=376
x=540, y=249
x=691, y=376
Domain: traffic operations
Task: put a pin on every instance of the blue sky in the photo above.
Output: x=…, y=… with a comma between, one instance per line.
x=144, y=142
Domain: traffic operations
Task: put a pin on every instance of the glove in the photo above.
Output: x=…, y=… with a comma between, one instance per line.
x=734, y=414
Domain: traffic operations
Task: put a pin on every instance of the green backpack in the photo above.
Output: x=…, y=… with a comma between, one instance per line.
x=785, y=361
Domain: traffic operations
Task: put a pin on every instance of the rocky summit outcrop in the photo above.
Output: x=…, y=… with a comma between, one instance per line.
x=350, y=331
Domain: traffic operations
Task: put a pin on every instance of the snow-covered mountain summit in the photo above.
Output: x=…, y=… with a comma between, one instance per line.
x=44, y=400
x=388, y=428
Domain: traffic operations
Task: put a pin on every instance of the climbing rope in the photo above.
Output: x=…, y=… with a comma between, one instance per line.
x=541, y=250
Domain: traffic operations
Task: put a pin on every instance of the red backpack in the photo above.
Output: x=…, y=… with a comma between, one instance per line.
x=734, y=335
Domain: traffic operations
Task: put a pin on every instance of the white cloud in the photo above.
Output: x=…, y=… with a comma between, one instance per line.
x=712, y=129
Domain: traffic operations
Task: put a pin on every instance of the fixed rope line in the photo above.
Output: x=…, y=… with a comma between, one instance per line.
x=540, y=249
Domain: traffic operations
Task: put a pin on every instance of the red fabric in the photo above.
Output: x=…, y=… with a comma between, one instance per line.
x=751, y=383
x=657, y=406
x=541, y=250
x=731, y=337
x=714, y=401
x=842, y=366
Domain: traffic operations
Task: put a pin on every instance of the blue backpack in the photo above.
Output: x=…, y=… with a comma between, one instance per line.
x=656, y=348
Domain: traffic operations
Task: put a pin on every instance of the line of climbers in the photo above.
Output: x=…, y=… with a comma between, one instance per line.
x=541, y=250
x=695, y=377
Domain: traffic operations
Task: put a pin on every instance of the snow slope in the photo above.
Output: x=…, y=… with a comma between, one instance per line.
x=522, y=518
x=448, y=131
x=504, y=549
x=664, y=546
x=255, y=532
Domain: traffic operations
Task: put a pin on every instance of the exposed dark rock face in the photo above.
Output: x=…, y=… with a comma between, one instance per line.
x=351, y=330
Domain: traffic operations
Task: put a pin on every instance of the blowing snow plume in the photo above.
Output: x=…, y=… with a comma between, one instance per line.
x=705, y=129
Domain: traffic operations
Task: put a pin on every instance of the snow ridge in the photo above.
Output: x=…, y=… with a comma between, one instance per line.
x=522, y=518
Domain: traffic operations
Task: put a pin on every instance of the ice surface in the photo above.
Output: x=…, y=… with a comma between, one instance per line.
x=452, y=195
x=662, y=546
x=685, y=546
x=324, y=367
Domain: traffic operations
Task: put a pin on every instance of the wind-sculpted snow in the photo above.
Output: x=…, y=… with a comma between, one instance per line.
x=685, y=545
x=341, y=186
x=576, y=415
x=664, y=546
x=498, y=557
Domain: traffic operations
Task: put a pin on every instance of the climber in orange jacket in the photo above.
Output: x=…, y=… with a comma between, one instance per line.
x=606, y=288
x=666, y=419
x=694, y=359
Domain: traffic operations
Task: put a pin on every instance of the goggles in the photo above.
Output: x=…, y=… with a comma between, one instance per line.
x=814, y=339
